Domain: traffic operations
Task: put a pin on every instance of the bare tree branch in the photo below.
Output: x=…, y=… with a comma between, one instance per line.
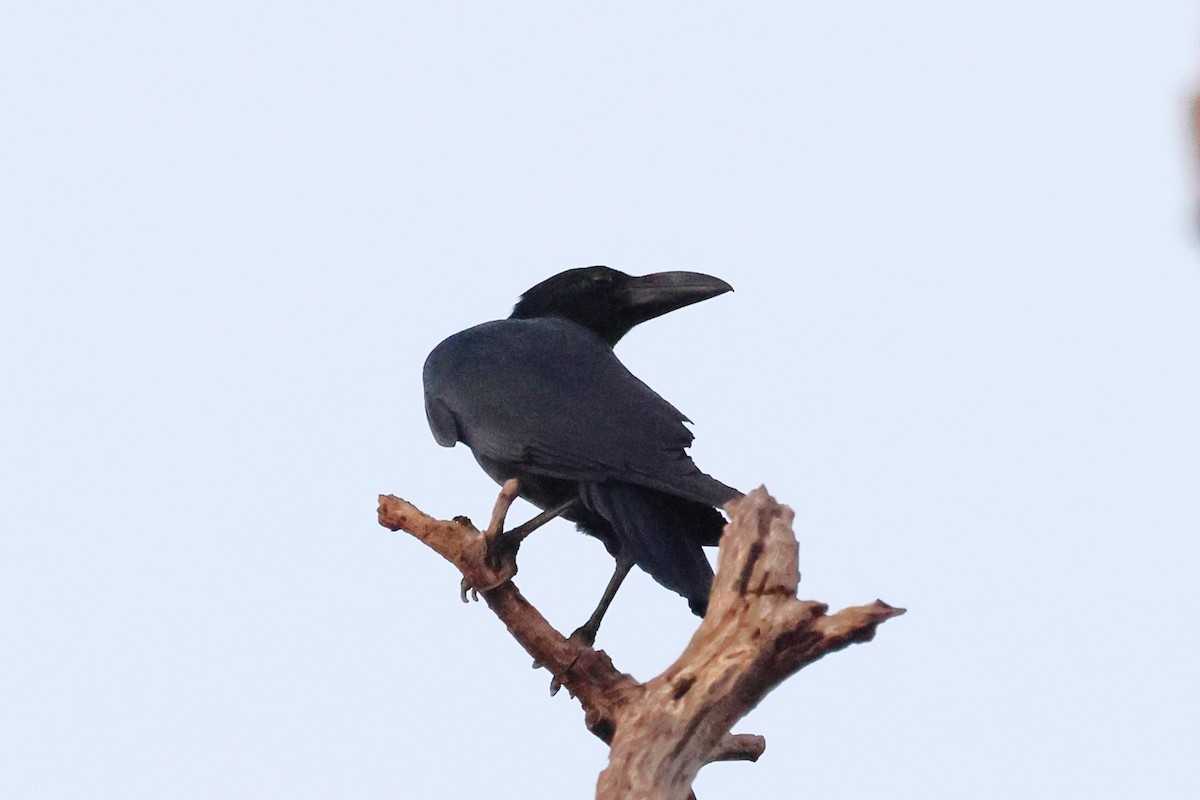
x=755, y=635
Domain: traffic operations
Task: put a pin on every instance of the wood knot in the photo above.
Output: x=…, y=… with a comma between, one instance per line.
x=682, y=687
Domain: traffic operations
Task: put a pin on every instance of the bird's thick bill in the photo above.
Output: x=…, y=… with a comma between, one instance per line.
x=650, y=296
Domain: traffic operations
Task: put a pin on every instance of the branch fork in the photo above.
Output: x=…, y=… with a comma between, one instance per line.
x=755, y=635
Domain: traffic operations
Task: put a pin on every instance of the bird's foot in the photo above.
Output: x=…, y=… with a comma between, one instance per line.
x=585, y=634
x=500, y=546
x=493, y=559
x=500, y=551
x=464, y=588
x=503, y=545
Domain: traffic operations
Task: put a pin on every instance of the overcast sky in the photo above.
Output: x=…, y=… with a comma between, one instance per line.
x=963, y=346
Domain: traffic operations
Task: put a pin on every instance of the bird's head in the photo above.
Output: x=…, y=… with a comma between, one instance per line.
x=610, y=303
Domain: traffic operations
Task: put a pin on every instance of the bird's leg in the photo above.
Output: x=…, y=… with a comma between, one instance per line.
x=509, y=492
x=501, y=543
x=518, y=534
x=586, y=633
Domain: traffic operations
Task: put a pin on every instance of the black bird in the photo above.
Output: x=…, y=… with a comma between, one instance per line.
x=541, y=397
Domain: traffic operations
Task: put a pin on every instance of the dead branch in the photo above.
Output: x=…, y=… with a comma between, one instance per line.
x=755, y=635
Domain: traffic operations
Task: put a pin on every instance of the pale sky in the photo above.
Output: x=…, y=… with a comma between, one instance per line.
x=963, y=346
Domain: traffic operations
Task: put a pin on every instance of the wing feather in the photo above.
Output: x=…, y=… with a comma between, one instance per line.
x=552, y=397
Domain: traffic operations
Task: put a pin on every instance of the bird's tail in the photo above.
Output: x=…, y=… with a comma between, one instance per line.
x=662, y=533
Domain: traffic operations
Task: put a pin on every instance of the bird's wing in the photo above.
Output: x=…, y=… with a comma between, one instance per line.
x=441, y=421
x=549, y=397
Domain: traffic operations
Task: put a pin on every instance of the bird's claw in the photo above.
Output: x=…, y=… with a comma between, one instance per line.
x=584, y=635
x=555, y=683
x=464, y=588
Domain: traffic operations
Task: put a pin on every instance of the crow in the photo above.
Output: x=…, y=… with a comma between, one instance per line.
x=541, y=397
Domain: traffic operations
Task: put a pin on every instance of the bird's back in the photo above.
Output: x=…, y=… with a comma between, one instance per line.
x=547, y=401
x=551, y=396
